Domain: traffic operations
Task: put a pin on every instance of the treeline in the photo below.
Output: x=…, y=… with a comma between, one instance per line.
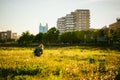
x=52, y=37
x=47, y=38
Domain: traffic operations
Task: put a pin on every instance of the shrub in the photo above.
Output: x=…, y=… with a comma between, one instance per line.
x=92, y=60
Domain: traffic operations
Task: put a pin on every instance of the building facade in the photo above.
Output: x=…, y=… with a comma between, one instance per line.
x=69, y=23
x=82, y=19
x=43, y=29
x=6, y=35
x=14, y=36
x=115, y=25
x=75, y=21
x=61, y=24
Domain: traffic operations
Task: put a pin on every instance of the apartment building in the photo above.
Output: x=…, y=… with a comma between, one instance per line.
x=5, y=35
x=61, y=24
x=14, y=36
x=82, y=19
x=8, y=35
x=115, y=25
x=69, y=23
x=75, y=21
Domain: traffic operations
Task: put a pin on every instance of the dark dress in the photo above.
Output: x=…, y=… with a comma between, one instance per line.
x=38, y=51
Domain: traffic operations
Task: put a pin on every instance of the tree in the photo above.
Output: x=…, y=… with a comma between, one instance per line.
x=88, y=37
x=116, y=36
x=73, y=37
x=51, y=36
x=38, y=38
x=26, y=38
x=66, y=37
x=94, y=35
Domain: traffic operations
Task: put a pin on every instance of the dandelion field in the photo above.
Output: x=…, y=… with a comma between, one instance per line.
x=60, y=63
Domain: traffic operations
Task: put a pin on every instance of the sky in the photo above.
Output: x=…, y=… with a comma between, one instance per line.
x=26, y=15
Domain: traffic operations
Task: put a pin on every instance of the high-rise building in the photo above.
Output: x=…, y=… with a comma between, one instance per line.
x=61, y=24
x=76, y=21
x=69, y=23
x=43, y=29
x=82, y=19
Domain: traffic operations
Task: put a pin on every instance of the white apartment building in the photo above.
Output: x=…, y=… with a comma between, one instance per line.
x=61, y=24
x=69, y=23
x=78, y=20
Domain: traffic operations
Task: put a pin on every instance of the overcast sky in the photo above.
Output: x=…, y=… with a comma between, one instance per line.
x=22, y=15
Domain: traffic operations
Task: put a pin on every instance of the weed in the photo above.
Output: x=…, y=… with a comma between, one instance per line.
x=59, y=63
x=102, y=67
x=92, y=60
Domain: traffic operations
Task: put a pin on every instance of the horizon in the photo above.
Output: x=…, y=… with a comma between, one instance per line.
x=26, y=15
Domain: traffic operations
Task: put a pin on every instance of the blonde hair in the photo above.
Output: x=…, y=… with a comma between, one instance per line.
x=41, y=46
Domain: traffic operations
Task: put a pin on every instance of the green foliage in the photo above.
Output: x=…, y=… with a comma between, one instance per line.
x=74, y=37
x=92, y=60
x=38, y=38
x=116, y=36
x=51, y=36
x=67, y=37
x=102, y=36
x=26, y=38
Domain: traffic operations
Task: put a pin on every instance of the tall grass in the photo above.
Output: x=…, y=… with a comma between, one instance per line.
x=59, y=63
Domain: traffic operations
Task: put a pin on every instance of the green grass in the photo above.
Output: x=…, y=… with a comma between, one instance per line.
x=59, y=63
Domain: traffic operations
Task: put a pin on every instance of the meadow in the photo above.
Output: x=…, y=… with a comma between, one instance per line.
x=60, y=63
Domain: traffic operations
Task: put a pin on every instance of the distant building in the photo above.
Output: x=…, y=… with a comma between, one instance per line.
x=61, y=24
x=115, y=25
x=76, y=21
x=43, y=29
x=14, y=36
x=3, y=35
x=9, y=34
x=69, y=23
x=82, y=19
x=6, y=35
